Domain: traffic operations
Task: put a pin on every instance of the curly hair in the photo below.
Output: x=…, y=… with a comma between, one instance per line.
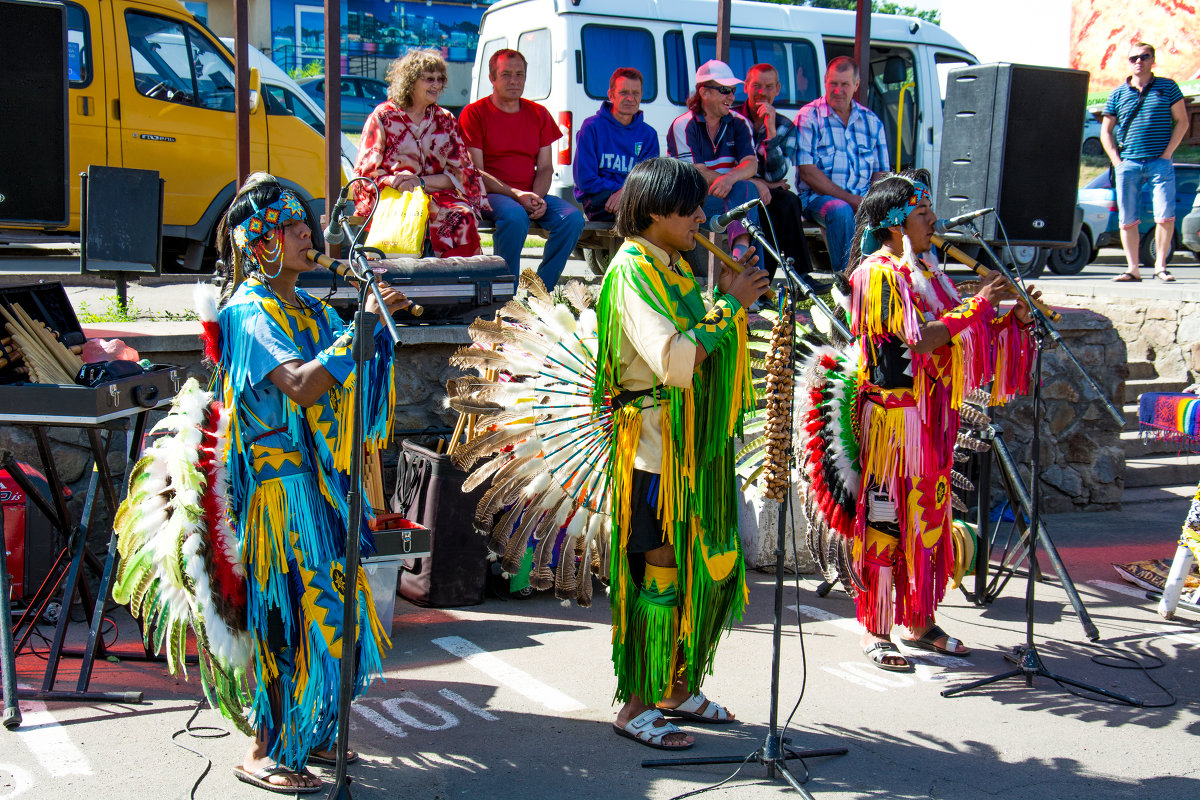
x=403, y=73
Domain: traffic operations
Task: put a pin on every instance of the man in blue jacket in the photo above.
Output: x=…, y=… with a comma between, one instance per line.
x=609, y=143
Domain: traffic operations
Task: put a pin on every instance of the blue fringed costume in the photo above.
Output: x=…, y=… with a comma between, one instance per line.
x=289, y=474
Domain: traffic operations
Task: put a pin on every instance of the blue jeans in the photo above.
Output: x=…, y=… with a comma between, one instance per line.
x=837, y=218
x=1131, y=174
x=561, y=220
x=740, y=192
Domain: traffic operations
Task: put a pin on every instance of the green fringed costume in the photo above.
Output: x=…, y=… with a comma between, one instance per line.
x=651, y=317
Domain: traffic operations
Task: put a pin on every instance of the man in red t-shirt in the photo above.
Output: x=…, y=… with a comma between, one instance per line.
x=509, y=140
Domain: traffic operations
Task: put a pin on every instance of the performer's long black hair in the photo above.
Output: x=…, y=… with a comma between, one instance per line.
x=885, y=194
x=660, y=186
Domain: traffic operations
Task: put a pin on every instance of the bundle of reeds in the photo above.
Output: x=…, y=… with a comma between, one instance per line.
x=46, y=359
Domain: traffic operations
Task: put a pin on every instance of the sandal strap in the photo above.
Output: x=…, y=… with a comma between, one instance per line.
x=642, y=726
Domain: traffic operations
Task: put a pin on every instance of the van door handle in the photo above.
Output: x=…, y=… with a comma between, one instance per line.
x=116, y=113
x=85, y=106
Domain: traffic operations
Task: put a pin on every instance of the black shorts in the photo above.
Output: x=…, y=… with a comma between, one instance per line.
x=645, y=528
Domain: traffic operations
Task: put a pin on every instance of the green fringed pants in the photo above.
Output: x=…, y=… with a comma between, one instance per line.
x=652, y=643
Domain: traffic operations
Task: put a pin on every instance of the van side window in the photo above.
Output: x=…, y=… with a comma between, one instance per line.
x=79, y=47
x=607, y=47
x=535, y=46
x=946, y=62
x=794, y=59
x=282, y=102
x=484, y=86
x=176, y=63
x=893, y=98
x=679, y=82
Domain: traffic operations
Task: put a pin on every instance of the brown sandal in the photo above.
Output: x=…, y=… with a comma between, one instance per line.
x=1127, y=277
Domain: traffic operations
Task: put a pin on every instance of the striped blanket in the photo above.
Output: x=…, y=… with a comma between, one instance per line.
x=1174, y=416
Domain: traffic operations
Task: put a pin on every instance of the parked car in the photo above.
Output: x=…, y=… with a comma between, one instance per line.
x=360, y=95
x=1091, y=135
x=1189, y=229
x=1100, y=226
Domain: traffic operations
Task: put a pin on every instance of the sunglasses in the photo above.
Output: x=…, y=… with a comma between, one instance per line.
x=721, y=89
x=1140, y=57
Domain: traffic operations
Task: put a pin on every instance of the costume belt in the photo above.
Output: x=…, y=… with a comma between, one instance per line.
x=891, y=398
x=624, y=398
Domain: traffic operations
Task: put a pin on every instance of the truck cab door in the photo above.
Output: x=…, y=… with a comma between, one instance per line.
x=177, y=102
x=87, y=98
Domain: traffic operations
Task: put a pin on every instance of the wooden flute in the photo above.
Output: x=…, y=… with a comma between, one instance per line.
x=317, y=257
x=727, y=260
x=963, y=258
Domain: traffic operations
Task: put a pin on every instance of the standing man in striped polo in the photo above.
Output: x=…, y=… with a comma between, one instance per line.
x=720, y=143
x=1144, y=121
x=842, y=150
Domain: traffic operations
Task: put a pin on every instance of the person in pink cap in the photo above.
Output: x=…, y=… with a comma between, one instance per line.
x=720, y=143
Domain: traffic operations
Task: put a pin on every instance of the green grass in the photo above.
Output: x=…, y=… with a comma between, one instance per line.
x=115, y=311
x=536, y=242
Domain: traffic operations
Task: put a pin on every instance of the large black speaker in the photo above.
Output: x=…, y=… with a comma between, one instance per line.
x=33, y=125
x=1011, y=140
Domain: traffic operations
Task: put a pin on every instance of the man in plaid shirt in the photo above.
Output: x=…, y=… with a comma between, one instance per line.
x=842, y=149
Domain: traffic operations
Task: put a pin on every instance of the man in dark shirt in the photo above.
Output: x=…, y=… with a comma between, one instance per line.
x=1144, y=121
x=775, y=144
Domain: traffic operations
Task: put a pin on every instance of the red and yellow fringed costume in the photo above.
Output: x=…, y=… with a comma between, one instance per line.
x=902, y=544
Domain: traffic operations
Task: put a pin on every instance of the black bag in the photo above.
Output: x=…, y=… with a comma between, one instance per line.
x=429, y=492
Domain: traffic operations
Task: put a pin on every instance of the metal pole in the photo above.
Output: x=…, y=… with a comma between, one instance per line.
x=241, y=103
x=862, y=48
x=333, y=109
x=8, y=661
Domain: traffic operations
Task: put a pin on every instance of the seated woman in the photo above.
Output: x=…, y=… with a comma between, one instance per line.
x=410, y=141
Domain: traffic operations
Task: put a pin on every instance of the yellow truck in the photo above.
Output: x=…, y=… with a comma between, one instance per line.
x=150, y=87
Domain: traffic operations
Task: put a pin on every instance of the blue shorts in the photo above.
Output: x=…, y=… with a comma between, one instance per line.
x=1131, y=174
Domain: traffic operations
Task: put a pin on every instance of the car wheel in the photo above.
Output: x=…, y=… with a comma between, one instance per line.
x=1028, y=261
x=1071, y=260
x=1148, y=250
x=1092, y=147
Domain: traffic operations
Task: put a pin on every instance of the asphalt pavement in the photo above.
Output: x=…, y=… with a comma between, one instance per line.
x=513, y=698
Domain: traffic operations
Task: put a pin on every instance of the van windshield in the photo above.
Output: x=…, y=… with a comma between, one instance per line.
x=174, y=62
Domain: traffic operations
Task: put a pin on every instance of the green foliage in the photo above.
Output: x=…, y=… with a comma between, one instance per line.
x=310, y=70
x=116, y=311
x=877, y=6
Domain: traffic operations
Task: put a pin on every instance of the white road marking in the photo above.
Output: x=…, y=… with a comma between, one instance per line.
x=21, y=781
x=379, y=720
x=823, y=615
x=393, y=705
x=1120, y=588
x=49, y=743
x=467, y=705
x=866, y=683
x=508, y=675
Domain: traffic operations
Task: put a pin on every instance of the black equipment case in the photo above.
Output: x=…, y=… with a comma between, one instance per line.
x=429, y=492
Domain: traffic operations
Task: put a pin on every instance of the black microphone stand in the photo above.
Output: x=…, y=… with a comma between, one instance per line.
x=363, y=349
x=1030, y=661
x=774, y=752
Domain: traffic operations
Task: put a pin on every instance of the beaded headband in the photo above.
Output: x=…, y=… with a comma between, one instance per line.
x=287, y=208
x=895, y=216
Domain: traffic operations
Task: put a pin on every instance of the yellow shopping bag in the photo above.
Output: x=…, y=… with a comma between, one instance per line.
x=398, y=226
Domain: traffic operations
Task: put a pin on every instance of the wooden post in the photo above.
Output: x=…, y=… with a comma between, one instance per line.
x=333, y=107
x=862, y=48
x=723, y=11
x=241, y=103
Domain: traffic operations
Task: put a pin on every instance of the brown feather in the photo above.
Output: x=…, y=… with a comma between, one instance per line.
x=489, y=443
x=503, y=531
x=579, y=295
x=518, y=313
x=476, y=358
x=530, y=282
x=502, y=483
x=515, y=551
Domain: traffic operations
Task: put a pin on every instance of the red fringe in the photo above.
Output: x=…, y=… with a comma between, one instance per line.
x=210, y=335
x=226, y=582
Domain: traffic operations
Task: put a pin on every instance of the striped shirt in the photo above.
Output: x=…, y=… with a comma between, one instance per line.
x=1150, y=131
x=688, y=140
x=848, y=153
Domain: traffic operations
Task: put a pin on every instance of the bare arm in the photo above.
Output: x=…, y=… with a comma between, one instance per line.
x=306, y=382
x=1108, y=138
x=709, y=175
x=544, y=171
x=1179, y=115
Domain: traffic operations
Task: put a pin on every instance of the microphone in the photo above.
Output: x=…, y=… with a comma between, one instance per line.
x=943, y=225
x=720, y=222
x=334, y=231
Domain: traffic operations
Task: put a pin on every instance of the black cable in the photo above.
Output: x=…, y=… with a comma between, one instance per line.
x=719, y=783
x=198, y=732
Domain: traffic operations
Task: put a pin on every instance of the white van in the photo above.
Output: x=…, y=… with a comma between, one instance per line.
x=573, y=46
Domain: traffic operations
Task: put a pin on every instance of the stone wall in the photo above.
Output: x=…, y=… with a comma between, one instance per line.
x=1082, y=461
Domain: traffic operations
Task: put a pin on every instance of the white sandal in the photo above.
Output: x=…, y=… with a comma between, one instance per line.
x=699, y=708
x=643, y=730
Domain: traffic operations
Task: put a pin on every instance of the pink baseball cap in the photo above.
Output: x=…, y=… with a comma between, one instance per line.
x=716, y=72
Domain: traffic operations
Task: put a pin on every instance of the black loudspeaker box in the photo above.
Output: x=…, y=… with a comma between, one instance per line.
x=33, y=126
x=1011, y=141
